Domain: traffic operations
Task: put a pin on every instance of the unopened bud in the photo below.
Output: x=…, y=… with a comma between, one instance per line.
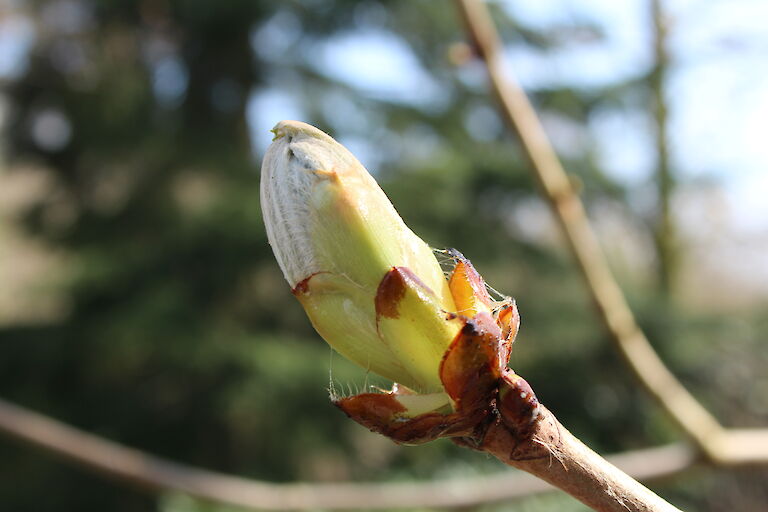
x=371, y=287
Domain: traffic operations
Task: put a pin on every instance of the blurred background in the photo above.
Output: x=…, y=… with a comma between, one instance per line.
x=140, y=301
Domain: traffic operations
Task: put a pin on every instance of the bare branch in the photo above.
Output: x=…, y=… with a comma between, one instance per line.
x=559, y=458
x=718, y=444
x=155, y=474
x=667, y=249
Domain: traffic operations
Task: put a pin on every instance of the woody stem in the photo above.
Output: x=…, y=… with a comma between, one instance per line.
x=553, y=454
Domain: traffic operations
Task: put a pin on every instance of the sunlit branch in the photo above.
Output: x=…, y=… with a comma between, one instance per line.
x=721, y=446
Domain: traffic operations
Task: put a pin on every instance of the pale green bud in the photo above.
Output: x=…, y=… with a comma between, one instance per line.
x=336, y=236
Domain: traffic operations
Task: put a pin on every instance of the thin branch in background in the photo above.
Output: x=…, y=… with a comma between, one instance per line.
x=721, y=446
x=665, y=236
x=148, y=472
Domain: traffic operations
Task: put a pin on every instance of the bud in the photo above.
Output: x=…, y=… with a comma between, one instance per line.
x=377, y=294
x=372, y=288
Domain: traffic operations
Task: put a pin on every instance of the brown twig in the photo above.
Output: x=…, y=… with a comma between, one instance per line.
x=152, y=473
x=721, y=446
x=555, y=455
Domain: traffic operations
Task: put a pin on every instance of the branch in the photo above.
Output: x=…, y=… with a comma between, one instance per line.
x=555, y=455
x=721, y=446
x=664, y=226
x=148, y=472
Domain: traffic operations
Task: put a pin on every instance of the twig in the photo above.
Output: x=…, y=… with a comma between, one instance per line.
x=721, y=446
x=148, y=472
x=555, y=455
x=664, y=225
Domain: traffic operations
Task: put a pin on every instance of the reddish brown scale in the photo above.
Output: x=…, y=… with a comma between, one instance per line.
x=517, y=403
x=468, y=288
x=464, y=277
x=382, y=413
x=392, y=290
x=469, y=369
x=509, y=322
x=371, y=406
